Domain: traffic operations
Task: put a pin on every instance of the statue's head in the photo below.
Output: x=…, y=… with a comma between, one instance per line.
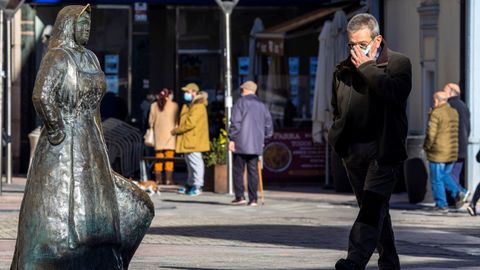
x=72, y=27
x=82, y=27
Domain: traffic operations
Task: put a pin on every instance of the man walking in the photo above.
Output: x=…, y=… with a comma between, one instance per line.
x=453, y=92
x=251, y=123
x=441, y=146
x=370, y=91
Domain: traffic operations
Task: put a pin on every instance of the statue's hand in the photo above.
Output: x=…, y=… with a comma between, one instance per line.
x=56, y=137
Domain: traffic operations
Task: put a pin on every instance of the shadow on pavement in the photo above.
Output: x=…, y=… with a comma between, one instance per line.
x=305, y=188
x=196, y=202
x=431, y=254
x=197, y=268
x=288, y=235
x=186, y=268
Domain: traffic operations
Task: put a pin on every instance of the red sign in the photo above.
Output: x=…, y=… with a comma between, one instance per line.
x=291, y=154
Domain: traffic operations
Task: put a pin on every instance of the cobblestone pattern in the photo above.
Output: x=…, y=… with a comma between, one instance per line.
x=205, y=233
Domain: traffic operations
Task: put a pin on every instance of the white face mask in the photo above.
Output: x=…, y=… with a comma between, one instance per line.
x=188, y=97
x=366, y=50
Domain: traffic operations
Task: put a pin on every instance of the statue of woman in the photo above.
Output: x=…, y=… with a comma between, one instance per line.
x=76, y=212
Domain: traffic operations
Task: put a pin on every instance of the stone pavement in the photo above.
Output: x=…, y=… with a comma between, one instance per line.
x=293, y=230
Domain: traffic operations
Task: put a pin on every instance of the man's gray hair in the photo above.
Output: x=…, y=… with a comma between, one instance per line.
x=363, y=20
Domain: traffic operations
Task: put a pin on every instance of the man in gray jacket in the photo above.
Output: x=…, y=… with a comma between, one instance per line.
x=251, y=123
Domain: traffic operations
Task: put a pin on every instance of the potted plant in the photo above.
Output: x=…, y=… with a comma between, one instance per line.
x=216, y=163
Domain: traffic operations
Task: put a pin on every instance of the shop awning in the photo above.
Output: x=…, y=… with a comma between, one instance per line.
x=272, y=40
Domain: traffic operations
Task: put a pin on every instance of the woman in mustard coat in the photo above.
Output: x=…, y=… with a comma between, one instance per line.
x=192, y=137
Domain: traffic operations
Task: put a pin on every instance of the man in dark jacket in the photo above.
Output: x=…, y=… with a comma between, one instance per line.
x=251, y=123
x=370, y=91
x=453, y=91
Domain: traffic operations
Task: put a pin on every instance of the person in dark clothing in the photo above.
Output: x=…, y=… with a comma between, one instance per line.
x=250, y=125
x=453, y=91
x=441, y=147
x=369, y=100
x=472, y=206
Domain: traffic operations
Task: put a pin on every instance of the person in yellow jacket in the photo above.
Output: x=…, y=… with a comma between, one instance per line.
x=192, y=137
x=441, y=147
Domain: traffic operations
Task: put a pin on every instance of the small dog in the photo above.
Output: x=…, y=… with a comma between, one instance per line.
x=148, y=186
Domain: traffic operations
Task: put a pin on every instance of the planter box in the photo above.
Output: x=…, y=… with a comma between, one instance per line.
x=220, y=182
x=208, y=179
x=216, y=179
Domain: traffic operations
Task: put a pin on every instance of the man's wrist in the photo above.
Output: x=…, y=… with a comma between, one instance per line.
x=365, y=64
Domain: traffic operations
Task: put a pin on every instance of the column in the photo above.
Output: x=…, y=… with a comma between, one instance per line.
x=473, y=89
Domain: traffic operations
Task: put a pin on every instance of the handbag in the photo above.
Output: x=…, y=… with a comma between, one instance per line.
x=149, y=138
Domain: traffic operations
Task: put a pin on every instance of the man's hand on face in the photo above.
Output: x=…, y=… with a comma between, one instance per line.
x=358, y=57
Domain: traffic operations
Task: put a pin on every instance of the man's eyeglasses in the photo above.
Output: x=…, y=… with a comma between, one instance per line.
x=362, y=45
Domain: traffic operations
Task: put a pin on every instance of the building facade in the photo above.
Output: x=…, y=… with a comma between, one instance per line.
x=440, y=37
x=144, y=47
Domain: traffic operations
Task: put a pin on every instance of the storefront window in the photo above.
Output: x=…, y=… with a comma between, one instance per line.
x=294, y=72
x=109, y=40
x=313, y=72
x=199, y=57
x=243, y=66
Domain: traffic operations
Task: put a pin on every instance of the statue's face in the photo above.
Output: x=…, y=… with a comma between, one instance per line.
x=82, y=29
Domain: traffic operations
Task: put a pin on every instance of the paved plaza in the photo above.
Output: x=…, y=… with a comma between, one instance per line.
x=296, y=228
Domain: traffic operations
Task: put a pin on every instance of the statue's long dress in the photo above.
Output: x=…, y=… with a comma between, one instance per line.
x=76, y=213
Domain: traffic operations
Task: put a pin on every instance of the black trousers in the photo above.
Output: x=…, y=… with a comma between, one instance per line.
x=239, y=162
x=373, y=185
x=476, y=196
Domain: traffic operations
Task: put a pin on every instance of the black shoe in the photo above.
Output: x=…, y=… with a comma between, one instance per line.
x=459, y=200
x=239, y=201
x=471, y=210
x=346, y=264
x=252, y=203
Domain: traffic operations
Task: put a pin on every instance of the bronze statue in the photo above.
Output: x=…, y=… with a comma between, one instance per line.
x=76, y=212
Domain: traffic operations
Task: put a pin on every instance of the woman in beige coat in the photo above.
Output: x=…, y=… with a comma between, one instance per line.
x=163, y=118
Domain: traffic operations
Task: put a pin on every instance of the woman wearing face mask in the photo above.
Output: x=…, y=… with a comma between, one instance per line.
x=192, y=137
x=163, y=118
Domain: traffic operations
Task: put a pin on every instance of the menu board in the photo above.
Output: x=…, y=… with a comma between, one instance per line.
x=291, y=154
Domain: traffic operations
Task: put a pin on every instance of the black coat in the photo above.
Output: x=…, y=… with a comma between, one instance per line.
x=463, y=124
x=370, y=104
